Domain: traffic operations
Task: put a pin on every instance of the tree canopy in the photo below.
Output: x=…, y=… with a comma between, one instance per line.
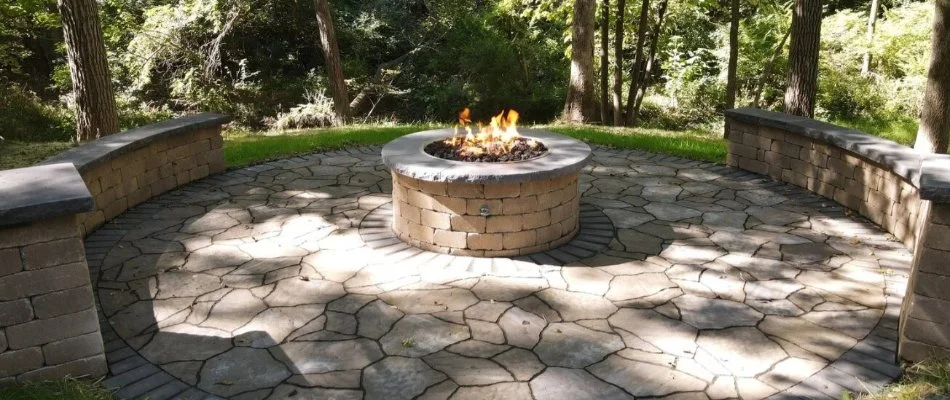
x=418, y=60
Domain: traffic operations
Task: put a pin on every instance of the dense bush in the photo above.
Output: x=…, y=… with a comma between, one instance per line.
x=422, y=60
x=25, y=117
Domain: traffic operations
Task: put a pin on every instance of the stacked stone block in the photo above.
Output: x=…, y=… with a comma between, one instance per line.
x=162, y=165
x=874, y=191
x=48, y=323
x=909, y=197
x=486, y=220
x=925, y=325
x=49, y=327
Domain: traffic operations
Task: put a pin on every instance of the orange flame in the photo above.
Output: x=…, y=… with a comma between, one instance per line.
x=498, y=137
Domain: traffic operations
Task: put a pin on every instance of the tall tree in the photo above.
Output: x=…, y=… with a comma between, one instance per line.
x=802, y=82
x=933, y=135
x=604, y=61
x=580, y=92
x=618, y=63
x=637, y=70
x=331, y=55
x=767, y=71
x=96, y=114
x=651, y=60
x=731, y=85
x=872, y=22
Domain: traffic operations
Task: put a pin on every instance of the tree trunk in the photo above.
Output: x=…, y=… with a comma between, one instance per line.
x=802, y=83
x=580, y=92
x=604, y=61
x=731, y=85
x=618, y=63
x=96, y=114
x=331, y=55
x=651, y=60
x=933, y=135
x=637, y=62
x=872, y=22
x=767, y=71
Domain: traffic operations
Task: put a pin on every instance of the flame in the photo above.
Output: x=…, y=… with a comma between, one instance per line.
x=498, y=137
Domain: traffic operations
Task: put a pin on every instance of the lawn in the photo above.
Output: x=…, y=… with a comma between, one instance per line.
x=22, y=154
x=243, y=148
x=66, y=389
x=926, y=380
x=900, y=130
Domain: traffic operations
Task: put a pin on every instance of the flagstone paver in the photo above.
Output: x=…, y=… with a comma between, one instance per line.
x=692, y=280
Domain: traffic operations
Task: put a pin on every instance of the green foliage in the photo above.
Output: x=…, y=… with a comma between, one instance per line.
x=69, y=388
x=926, y=380
x=900, y=52
x=902, y=130
x=317, y=112
x=25, y=117
x=242, y=149
x=246, y=148
x=425, y=59
x=16, y=154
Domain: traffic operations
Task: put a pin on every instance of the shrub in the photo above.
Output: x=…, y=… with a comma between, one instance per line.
x=24, y=117
x=317, y=112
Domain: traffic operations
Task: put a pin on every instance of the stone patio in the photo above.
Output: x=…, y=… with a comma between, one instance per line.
x=688, y=280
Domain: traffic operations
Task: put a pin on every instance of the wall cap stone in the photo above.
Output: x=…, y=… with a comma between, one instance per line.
x=928, y=172
x=406, y=156
x=42, y=192
x=102, y=150
x=935, y=178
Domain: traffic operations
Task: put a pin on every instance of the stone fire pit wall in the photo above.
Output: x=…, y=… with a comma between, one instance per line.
x=49, y=326
x=523, y=218
x=485, y=209
x=905, y=192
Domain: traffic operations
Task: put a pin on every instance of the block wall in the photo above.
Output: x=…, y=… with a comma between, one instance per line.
x=518, y=218
x=872, y=190
x=925, y=320
x=48, y=322
x=163, y=165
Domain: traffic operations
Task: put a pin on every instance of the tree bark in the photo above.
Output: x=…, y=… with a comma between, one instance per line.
x=731, y=84
x=872, y=22
x=331, y=55
x=618, y=63
x=651, y=60
x=96, y=114
x=767, y=71
x=604, y=61
x=580, y=92
x=637, y=62
x=933, y=135
x=802, y=82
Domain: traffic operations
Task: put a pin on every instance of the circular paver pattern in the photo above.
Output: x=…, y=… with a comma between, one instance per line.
x=687, y=279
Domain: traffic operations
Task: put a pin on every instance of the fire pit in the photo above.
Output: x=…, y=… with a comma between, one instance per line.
x=515, y=193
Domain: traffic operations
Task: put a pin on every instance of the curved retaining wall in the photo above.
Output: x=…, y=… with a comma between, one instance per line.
x=905, y=192
x=49, y=327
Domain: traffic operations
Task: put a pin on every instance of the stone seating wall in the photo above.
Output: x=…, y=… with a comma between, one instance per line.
x=49, y=326
x=904, y=192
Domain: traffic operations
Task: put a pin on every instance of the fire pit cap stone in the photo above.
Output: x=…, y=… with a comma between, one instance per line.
x=406, y=156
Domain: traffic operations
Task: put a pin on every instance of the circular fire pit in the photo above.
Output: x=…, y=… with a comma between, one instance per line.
x=485, y=209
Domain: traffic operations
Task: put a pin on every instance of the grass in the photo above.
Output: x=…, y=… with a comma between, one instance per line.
x=242, y=149
x=22, y=154
x=926, y=380
x=901, y=130
x=246, y=148
x=65, y=389
x=705, y=145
